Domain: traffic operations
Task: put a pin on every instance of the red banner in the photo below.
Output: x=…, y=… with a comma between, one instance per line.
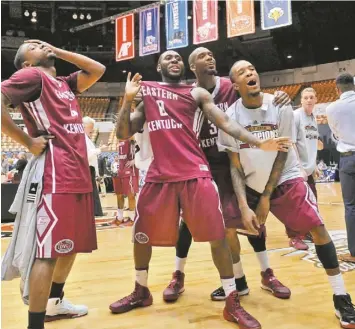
x=205, y=21
x=240, y=17
x=124, y=37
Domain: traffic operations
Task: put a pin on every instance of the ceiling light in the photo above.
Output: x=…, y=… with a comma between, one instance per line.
x=88, y=17
x=189, y=17
x=124, y=71
x=82, y=16
x=289, y=56
x=34, y=14
x=336, y=48
x=112, y=22
x=100, y=46
x=33, y=20
x=75, y=16
x=27, y=13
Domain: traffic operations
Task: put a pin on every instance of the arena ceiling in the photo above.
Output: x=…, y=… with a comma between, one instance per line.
x=318, y=27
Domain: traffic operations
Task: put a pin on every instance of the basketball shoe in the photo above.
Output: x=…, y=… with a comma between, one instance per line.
x=175, y=287
x=61, y=308
x=234, y=312
x=298, y=244
x=344, y=310
x=269, y=282
x=140, y=297
x=242, y=288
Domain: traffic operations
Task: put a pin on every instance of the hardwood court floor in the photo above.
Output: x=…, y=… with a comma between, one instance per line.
x=107, y=274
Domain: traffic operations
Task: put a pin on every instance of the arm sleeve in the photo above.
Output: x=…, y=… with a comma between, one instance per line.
x=331, y=121
x=226, y=142
x=72, y=81
x=23, y=86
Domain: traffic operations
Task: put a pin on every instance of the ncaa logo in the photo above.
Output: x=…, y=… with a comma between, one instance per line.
x=141, y=237
x=64, y=246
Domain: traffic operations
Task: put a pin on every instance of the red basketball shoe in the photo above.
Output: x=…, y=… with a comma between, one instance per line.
x=175, y=287
x=269, y=282
x=140, y=297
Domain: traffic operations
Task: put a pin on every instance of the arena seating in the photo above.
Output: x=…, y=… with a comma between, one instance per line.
x=291, y=90
x=8, y=145
x=326, y=91
x=94, y=107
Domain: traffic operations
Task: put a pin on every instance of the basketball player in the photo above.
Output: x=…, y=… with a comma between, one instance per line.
x=203, y=64
x=277, y=185
x=306, y=130
x=66, y=223
x=178, y=178
x=126, y=181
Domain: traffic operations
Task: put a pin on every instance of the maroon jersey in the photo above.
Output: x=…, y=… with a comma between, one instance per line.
x=125, y=154
x=49, y=106
x=224, y=96
x=174, y=122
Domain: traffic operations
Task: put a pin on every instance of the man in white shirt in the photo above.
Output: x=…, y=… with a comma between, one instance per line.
x=307, y=144
x=93, y=152
x=272, y=181
x=341, y=120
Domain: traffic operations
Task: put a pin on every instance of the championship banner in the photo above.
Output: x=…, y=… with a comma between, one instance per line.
x=240, y=17
x=176, y=24
x=205, y=14
x=124, y=37
x=149, y=31
x=275, y=14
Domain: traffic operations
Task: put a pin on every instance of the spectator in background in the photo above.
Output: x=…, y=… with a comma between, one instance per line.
x=306, y=146
x=93, y=153
x=4, y=164
x=341, y=120
x=21, y=165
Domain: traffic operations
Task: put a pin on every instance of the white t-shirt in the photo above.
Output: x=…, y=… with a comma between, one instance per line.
x=306, y=130
x=92, y=152
x=268, y=121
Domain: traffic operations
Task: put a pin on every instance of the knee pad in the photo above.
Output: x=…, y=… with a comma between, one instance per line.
x=327, y=255
x=258, y=242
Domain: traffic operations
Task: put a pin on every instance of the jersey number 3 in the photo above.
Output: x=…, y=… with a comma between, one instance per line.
x=161, y=107
x=213, y=128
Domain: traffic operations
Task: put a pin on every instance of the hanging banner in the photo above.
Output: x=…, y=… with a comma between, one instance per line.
x=275, y=14
x=240, y=17
x=205, y=14
x=176, y=24
x=125, y=37
x=149, y=31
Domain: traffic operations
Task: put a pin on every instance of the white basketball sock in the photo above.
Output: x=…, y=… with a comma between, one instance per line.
x=180, y=264
x=142, y=277
x=228, y=286
x=337, y=283
x=263, y=260
x=238, y=270
x=119, y=214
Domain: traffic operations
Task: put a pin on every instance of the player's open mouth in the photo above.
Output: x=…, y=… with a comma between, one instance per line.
x=251, y=83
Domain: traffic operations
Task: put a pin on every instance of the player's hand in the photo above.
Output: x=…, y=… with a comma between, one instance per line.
x=262, y=210
x=129, y=164
x=281, y=98
x=37, y=145
x=304, y=175
x=133, y=86
x=44, y=44
x=276, y=144
x=316, y=173
x=249, y=220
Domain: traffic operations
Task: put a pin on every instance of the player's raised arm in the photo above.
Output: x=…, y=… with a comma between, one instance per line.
x=130, y=123
x=233, y=128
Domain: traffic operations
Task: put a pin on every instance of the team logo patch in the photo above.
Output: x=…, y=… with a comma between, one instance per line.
x=339, y=238
x=141, y=237
x=64, y=246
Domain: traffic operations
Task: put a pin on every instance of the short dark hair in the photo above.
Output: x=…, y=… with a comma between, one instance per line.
x=345, y=82
x=231, y=70
x=19, y=58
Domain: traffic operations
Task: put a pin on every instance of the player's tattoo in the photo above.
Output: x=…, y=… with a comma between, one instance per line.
x=238, y=179
x=129, y=123
x=275, y=174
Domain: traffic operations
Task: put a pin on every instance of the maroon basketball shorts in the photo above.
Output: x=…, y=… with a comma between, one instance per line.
x=65, y=225
x=125, y=185
x=160, y=205
x=293, y=203
x=229, y=202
